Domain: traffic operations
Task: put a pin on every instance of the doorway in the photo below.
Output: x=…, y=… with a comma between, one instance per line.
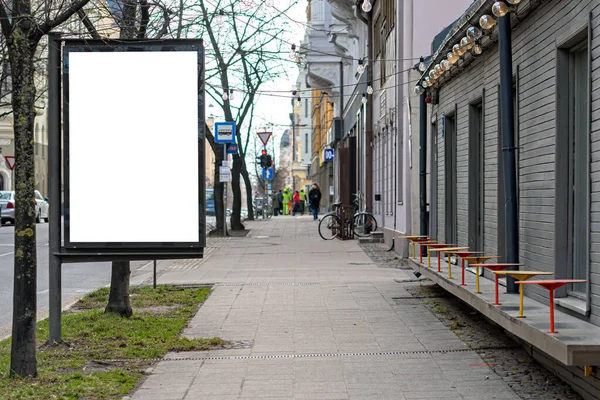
x=450, y=179
x=476, y=189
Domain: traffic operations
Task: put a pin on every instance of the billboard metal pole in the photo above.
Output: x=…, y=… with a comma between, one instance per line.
x=54, y=179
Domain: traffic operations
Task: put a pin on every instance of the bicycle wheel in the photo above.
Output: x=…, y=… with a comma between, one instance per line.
x=329, y=226
x=364, y=224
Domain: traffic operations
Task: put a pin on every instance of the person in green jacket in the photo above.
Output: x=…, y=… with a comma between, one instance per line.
x=302, y=201
x=287, y=198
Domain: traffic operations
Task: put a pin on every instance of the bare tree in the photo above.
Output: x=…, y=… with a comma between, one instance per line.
x=246, y=50
x=23, y=26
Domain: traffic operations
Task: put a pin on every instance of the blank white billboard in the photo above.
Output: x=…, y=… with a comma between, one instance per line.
x=133, y=147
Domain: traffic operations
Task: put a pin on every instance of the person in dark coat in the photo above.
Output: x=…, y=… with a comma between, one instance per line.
x=314, y=198
x=280, y=201
x=276, y=204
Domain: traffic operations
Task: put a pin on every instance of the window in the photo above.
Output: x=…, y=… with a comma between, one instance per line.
x=573, y=165
x=37, y=139
x=306, y=143
x=579, y=168
x=376, y=36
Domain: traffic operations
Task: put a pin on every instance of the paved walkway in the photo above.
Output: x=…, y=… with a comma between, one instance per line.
x=313, y=319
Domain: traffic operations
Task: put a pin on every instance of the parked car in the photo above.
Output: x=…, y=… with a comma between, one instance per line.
x=7, y=206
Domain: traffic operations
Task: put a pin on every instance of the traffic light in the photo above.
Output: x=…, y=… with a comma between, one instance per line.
x=263, y=159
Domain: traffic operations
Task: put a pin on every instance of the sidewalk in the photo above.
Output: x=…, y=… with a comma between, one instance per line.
x=313, y=319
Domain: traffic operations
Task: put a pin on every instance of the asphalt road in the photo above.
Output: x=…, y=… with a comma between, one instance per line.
x=77, y=279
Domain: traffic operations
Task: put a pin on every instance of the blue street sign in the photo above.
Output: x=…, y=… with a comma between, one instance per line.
x=224, y=132
x=267, y=174
x=328, y=155
x=269, y=186
x=232, y=148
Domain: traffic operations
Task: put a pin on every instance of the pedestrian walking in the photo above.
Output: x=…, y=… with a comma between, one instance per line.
x=314, y=197
x=302, y=201
x=296, y=207
x=287, y=199
x=280, y=201
x=276, y=204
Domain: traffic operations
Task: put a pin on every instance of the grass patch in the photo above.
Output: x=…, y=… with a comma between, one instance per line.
x=103, y=355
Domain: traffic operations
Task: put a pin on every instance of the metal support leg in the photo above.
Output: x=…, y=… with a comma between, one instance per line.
x=54, y=179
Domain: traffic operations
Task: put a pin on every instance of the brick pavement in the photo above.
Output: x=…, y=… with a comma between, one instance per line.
x=317, y=321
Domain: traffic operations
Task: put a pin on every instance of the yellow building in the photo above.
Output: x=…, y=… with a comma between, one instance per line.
x=209, y=159
x=301, y=148
x=322, y=117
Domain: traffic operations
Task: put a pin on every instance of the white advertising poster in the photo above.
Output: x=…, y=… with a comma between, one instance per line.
x=133, y=147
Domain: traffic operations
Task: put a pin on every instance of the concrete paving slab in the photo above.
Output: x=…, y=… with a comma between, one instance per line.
x=320, y=322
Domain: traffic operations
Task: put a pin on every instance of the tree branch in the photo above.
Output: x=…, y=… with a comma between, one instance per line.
x=145, y=19
x=62, y=17
x=4, y=22
x=88, y=24
x=167, y=21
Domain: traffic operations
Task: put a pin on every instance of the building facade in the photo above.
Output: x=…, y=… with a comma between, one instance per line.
x=556, y=107
x=301, y=128
x=360, y=62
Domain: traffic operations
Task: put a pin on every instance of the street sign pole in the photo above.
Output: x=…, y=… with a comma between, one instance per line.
x=225, y=195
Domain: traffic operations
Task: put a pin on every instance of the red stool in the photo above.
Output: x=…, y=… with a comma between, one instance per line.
x=498, y=267
x=551, y=285
x=436, y=247
x=462, y=255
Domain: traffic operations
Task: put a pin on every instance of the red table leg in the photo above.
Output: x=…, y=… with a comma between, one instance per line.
x=439, y=265
x=421, y=254
x=463, y=274
x=496, y=303
x=552, y=312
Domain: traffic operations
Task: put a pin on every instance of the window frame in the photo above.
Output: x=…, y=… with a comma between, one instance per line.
x=565, y=171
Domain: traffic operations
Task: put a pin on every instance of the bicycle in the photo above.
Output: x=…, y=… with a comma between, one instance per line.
x=364, y=222
x=330, y=225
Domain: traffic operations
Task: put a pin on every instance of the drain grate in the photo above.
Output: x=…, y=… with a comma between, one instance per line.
x=323, y=355
x=274, y=284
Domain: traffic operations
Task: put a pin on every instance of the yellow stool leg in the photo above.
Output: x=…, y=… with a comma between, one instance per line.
x=449, y=267
x=521, y=302
x=413, y=250
x=428, y=258
x=477, y=280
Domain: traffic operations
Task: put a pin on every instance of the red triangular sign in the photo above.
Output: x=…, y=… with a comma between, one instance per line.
x=264, y=137
x=10, y=161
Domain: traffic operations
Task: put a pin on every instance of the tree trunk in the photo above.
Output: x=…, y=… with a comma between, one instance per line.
x=23, y=348
x=236, y=220
x=118, y=300
x=248, y=184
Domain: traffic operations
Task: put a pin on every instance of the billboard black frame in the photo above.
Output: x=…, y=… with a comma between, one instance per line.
x=117, y=251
